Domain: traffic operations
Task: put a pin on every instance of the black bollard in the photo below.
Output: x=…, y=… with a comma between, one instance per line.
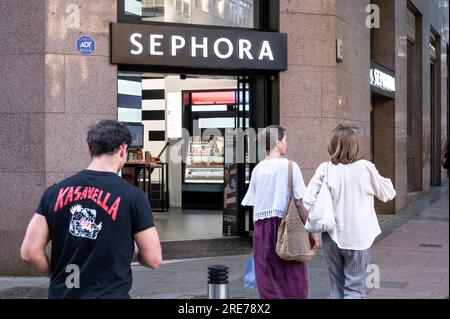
x=217, y=282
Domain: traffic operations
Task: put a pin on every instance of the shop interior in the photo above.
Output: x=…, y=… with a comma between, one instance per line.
x=184, y=181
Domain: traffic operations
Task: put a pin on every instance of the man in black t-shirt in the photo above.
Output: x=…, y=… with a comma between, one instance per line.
x=93, y=220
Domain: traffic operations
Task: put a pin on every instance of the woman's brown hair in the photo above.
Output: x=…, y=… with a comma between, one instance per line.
x=344, y=145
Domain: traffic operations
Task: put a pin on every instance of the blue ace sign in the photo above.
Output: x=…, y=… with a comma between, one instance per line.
x=86, y=45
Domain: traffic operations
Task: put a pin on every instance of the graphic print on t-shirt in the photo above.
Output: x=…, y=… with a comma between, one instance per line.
x=82, y=223
x=77, y=193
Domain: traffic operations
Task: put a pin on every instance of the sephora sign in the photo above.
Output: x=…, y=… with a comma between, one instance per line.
x=194, y=47
x=382, y=80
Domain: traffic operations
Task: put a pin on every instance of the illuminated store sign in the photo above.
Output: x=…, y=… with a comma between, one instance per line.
x=193, y=47
x=382, y=80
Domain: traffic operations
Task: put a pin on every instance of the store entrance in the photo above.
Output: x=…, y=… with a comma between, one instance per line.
x=179, y=123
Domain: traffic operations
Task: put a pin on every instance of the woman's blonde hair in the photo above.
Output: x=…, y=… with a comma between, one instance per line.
x=344, y=145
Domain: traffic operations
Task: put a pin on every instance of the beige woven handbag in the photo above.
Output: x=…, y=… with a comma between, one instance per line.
x=293, y=239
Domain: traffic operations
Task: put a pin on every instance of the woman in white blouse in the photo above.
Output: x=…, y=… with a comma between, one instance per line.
x=353, y=184
x=268, y=194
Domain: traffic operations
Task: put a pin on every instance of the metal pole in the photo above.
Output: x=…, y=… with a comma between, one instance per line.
x=217, y=282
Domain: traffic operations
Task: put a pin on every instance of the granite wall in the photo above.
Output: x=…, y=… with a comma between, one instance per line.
x=50, y=95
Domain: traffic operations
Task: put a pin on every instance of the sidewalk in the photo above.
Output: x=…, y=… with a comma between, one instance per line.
x=412, y=255
x=414, y=260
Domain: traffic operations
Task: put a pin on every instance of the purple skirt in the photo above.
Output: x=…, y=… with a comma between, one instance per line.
x=276, y=278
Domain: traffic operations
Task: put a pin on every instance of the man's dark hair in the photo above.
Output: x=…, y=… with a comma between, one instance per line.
x=106, y=137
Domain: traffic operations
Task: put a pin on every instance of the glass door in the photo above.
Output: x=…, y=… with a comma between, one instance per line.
x=243, y=119
x=237, y=169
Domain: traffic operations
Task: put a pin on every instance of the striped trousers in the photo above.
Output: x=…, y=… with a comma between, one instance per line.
x=347, y=270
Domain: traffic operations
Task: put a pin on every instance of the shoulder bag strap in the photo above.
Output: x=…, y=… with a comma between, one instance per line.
x=289, y=186
x=291, y=190
x=290, y=179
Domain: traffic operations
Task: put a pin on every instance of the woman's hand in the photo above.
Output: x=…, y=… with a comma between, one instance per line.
x=315, y=240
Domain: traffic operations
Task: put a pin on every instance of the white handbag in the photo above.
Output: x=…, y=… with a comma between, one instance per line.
x=321, y=215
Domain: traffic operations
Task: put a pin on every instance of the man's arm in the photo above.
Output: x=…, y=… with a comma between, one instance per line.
x=149, y=253
x=34, y=243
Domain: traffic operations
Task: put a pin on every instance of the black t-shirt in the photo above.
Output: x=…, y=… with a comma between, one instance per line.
x=92, y=218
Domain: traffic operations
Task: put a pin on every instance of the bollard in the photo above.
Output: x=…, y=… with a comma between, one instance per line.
x=217, y=282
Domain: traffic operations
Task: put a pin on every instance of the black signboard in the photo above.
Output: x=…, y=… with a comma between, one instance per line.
x=382, y=80
x=194, y=47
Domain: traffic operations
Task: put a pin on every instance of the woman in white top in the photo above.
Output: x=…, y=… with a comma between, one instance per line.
x=353, y=184
x=268, y=194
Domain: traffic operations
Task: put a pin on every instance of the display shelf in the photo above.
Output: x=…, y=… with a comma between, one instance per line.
x=204, y=162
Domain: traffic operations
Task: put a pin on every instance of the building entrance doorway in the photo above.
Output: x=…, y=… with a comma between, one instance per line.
x=179, y=123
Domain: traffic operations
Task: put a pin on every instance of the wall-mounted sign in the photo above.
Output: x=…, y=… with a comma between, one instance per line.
x=86, y=45
x=382, y=80
x=194, y=47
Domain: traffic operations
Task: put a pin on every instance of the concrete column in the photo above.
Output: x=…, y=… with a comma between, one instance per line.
x=316, y=92
x=22, y=118
x=308, y=88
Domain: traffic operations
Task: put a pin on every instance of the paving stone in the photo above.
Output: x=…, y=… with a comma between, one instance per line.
x=393, y=284
x=24, y=293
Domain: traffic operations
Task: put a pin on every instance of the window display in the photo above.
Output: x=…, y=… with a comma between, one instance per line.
x=204, y=162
